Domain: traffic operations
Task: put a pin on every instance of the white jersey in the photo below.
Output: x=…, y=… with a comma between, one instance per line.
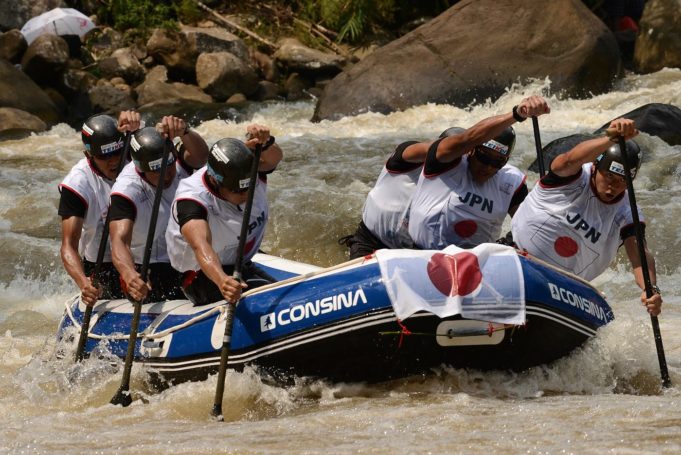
x=450, y=208
x=224, y=222
x=386, y=209
x=568, y=225
x=140, y=193
x=94, y=191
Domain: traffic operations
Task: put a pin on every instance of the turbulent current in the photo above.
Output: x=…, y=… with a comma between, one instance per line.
x=605, y=396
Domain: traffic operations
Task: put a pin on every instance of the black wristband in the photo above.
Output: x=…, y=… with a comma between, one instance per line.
x=269, y=142
x=517, y=116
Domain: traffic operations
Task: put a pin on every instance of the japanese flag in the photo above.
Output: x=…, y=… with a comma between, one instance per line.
x=484, y=283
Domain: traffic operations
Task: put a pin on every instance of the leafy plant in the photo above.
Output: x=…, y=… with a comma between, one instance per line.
x=352, y=19
x=142, y=14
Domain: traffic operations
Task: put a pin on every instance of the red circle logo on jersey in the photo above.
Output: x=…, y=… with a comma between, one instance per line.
x=457, y=274
x=465, y=228
x=565, y=247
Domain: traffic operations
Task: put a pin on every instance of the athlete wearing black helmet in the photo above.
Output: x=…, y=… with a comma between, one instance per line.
x=578, y=215
x=612, y=160
x=84, y=201
x=132, y=199
x=207, y=213
x=467, y=186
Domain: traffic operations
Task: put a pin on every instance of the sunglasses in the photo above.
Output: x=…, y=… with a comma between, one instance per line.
x=487, y=160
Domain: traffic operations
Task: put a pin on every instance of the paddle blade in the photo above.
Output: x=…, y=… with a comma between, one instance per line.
x=216, y=413
x=122, y=398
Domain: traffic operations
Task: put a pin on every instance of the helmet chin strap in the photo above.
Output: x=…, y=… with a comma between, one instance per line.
x=94, y=166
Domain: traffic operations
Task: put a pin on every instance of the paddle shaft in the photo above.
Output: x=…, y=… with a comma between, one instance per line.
x=231, y=307
x=85, y=326
x=537, y=145
x=122, y=396
x=664, y=373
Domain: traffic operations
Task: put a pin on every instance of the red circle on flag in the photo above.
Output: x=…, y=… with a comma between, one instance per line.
x=457, y=274
x=465, y=228
x=565, y=247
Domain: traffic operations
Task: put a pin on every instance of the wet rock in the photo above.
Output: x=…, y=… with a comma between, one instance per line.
x=17, y=90
x=238, y=99
x=17, y=123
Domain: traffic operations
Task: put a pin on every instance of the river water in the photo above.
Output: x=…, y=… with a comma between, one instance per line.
x=606, y=396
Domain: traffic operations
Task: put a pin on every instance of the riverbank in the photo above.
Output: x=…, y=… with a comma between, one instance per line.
x=227, y=58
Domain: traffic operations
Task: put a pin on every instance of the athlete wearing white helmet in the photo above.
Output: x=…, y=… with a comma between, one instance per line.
x=84, y=201
x=578, y=215
x=207, y=213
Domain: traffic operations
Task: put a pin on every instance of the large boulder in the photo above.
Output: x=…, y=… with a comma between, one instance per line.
x=15, y=122
x=46, y=58
x=222, y=74
x=17, y=90
x=659, y=41
x=476, y=50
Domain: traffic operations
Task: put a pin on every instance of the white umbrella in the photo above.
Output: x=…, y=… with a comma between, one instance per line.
x=59, y=21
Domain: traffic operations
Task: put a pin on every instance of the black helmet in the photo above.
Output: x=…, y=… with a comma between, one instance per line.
x=101, y=137
x=611, y=160
x=147, y=150
x=453, y=131
x=503, y=143
x=229, y=163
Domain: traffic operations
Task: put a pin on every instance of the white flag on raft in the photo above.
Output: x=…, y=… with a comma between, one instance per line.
x=484, y=283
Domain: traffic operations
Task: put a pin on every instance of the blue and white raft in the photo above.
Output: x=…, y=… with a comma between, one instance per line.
x=341, y=323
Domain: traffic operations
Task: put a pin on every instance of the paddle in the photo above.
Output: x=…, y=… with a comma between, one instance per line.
x=229, y=310
x=666, y=382
x=85, y=326
x=122, y=396
x=537, y=145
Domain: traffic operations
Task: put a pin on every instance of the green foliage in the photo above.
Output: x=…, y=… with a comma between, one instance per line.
x=141, y=14
x=352, y=19
x=357, y=20
x=188, y=11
